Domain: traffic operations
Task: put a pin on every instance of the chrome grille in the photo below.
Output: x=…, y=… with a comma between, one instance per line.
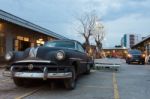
x=136, y=56
x=39, y=67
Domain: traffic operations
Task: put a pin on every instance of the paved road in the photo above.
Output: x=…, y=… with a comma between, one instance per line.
x=131, y=82
x=134, y=82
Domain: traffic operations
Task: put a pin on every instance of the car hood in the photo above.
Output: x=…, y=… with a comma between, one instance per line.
x=44, y=53
x=136, y=54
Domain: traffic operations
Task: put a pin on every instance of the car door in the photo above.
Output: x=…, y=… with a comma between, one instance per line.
x=82, y=56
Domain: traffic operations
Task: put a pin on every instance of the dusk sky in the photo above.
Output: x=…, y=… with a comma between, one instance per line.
x=118, y=16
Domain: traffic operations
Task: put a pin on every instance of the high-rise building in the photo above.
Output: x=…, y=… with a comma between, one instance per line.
x=128, y=40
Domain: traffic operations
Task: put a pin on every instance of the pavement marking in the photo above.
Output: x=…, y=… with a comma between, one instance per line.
x=116, y=91
x=91, y=86
x=28, y=93
x=93, y=70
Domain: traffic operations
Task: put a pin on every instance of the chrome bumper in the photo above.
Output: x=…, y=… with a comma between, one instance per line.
x=44, y=75
x=38, y=75
x=41, y=75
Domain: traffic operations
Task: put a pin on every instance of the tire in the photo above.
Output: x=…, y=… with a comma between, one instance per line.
x=139, y=62
x=116, y=69
x=18, y=82
x=70, y=83
x=88, y=69
x=143, y=63
x=129, y=62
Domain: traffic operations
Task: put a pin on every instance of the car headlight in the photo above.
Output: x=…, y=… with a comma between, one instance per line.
x=129, y=55
x=60, y=55
x=9, y=56
x=143, y=55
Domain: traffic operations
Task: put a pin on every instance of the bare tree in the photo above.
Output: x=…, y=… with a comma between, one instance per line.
x=87, y=22
x=99, y=35
x=91, y=26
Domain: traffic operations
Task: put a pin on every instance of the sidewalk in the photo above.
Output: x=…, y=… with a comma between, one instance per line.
x=110, y=60
x=108, y=63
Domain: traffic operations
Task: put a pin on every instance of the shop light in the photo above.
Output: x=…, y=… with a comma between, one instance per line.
x=37, y=41
x=26, y=39
x=20, y=38
x=108, y=52
x=41, y=39
x=42, y=42
x=125, y=52
x=0, y=26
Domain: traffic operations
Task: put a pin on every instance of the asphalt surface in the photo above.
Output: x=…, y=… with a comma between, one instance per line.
x=130, y=82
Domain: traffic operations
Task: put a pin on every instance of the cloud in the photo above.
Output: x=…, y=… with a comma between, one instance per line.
x=134, y=23
x=118, y=16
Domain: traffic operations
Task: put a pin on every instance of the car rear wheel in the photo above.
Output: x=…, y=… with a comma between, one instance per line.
x=18, y=82
x=71, y=82
x=88, y=69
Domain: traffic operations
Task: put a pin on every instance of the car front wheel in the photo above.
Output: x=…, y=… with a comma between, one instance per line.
x=143, y=62
x=71, y=82
x=18, y=82
x=129, y=62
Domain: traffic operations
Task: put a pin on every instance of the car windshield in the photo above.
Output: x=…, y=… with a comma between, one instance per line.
x=62, y=44
x=135, y=52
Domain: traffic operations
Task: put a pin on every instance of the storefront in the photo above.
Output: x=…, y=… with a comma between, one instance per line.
x=2, y=44
x=148, y=49
x=17, y=34
x=144, y=46
x=115, y=52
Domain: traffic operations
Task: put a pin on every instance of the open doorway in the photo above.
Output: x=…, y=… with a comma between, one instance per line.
x=24, y=45
x=21, y=45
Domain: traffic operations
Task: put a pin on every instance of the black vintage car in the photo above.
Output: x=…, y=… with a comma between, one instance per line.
x=135, y=56
x=60, y=59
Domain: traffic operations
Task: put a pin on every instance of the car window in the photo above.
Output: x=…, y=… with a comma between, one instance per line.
x=80, y=48
x=62, y=44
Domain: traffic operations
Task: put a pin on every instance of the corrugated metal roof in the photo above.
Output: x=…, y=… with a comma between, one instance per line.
x=19, y=21
x=114, y=48
x=148, y=37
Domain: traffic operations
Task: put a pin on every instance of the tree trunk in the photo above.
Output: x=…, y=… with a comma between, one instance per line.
x=99, y=47
x=87, y=41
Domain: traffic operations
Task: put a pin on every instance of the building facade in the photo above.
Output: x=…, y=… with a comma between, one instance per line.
x=115, y=52
x=17, y=34
x=129, y=40
x=143, y=45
